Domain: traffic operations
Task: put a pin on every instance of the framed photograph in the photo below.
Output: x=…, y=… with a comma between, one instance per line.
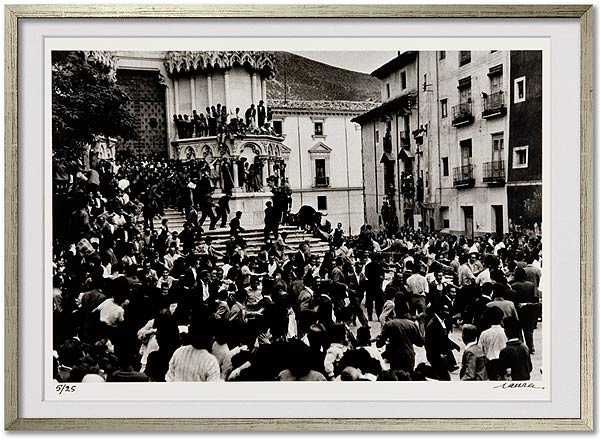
x=206, y=205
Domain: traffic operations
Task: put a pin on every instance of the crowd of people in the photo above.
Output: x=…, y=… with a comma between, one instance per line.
x=137, y=302
x=219, y=121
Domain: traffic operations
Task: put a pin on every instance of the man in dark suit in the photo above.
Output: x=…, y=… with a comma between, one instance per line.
x=261, y=113
x=374, y=273
x=223, y=209
x=438, y=347
x=302, y=257
x=271, y=222
x=235, y=225
x=473, y=360
x=400, y=334
x=526, y=301
x=516, y=354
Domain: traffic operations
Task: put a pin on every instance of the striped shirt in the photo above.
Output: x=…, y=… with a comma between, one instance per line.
x=189, y=364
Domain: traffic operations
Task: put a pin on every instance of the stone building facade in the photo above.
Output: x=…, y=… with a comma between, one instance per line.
x=524, y=179
x=434, y=152
x=325, y=166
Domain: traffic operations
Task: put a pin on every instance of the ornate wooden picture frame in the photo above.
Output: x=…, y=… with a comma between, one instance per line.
x=15, y=13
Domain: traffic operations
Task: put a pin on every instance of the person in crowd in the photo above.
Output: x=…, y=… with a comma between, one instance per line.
x=474, y=362
x=515, y=356
x=214, y=308
x=438, y=346
x=418, y=289
x=194, y=363
x=223, y=209
x=374, y=275
x=336, y=350
x=527, y=302
x=271, y=222
x=400, y=335
x=493, y=339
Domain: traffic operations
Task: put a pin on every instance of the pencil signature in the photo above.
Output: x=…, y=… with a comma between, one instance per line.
x=506, y=385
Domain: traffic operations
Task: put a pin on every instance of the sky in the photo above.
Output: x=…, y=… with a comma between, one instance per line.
x=359, y=61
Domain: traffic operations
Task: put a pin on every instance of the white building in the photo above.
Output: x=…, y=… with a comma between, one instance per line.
x=325, y=163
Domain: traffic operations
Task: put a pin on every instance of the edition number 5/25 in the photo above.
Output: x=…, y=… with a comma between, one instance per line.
x=65, y=388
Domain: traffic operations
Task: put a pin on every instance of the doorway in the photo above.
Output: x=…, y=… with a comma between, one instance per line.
x=499, y=219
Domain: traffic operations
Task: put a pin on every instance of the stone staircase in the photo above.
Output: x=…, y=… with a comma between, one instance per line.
x=254, y=236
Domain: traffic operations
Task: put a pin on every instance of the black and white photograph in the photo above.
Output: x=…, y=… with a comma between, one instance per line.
x=318, y=215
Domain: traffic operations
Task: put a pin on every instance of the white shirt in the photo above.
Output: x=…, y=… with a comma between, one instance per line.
x=111, y=313
x=492, y=341
x=483, y=277
x=271, y=268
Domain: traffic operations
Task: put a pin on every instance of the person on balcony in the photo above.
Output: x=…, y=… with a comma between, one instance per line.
x=196, y=123
x=269, y=114
x=188, y=126
x=202, y=126
x=218, y=115
x=227, y=175
x=178, y=126
x=222, y=125
x=250, y=116
x=211, y=114
x=257, y=176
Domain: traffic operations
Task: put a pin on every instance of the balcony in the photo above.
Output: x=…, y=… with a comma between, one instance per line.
x=493, y=173
x=321, y=182
x=462, y=114
x=407, y=184
x=234, y=144
x=493, y=105
x=463, y=177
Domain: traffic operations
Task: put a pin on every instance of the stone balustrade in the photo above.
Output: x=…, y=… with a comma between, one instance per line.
x=238, y=163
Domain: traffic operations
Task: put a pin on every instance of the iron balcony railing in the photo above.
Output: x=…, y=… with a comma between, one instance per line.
x=493, y=172
x=321, y=181
x=463, y=176
x=493, y=105
x=462, y=114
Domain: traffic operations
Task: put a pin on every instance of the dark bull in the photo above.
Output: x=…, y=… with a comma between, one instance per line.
x=308, y=218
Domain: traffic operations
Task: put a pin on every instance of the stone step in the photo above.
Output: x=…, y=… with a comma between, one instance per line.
x=254, y=236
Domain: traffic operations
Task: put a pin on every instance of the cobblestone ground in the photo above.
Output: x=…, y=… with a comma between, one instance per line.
x=536, y=358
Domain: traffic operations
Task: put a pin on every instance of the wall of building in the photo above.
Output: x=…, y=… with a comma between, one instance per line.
x=372, y=175
x=240, y=83
x=445, y=86
x=434, y=80
x=395, y=83
x=525, y=207
x=240, y=90
x=526, y=116
x=524, y=185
